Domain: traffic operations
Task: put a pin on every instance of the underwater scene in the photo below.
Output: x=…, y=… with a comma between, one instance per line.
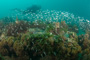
x=44, y=29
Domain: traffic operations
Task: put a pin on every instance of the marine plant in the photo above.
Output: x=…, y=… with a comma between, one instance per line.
x=14, y=29
x=32, y=41
x=73, y=28
x=10, y=41
x=18, y=48
x=63, y=26
x=3, y=48
x=1, y=57
x=50, y=28
x=38, y=24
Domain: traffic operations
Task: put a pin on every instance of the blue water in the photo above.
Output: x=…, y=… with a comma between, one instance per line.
x=77, y=7
x=58, y=22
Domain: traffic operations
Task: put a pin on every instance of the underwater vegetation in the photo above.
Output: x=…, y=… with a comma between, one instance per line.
x=18, y=27
x=55, y=41
x=46, y=35
x=1, y=57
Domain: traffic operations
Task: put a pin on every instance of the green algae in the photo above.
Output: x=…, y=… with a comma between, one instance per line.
x=37, y=43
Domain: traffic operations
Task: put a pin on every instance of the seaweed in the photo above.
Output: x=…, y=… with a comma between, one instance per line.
x=51, y=41
x=1, y=57
x=14, y=29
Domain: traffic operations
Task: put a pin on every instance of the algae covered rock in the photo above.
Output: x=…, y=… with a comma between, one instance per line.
x=10, y=41
x=3, y=49
x=18, y=48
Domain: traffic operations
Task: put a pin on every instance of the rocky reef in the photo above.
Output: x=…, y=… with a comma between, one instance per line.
x=40, y=40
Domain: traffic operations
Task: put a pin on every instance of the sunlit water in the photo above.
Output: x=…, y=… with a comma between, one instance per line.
x=77, y=7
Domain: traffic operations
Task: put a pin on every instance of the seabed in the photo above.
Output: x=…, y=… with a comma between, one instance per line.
x=43, y=40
